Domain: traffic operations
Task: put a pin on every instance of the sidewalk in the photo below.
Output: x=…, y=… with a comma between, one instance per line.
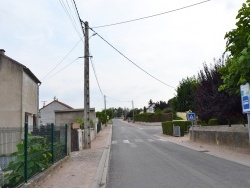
x=241, y=156
x=84, y=169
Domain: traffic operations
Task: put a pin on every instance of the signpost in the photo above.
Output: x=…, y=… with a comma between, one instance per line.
x=245, y=97
x=192, y=117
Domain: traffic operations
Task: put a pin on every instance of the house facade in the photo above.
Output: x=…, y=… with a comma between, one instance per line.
x=150, y=109
x=47, y=112
x=19, y=93
x=69, y=116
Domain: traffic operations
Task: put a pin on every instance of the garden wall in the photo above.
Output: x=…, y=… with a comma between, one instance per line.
x=235, y=136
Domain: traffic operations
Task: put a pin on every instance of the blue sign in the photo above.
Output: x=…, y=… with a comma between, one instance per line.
x=191, y=116
x=245, y=95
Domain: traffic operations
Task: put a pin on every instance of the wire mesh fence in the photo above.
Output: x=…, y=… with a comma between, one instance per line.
x=35, y=150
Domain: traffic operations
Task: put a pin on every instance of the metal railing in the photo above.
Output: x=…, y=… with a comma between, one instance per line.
x=36, y=150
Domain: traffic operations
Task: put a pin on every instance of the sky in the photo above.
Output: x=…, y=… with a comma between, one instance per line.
x=46, y=37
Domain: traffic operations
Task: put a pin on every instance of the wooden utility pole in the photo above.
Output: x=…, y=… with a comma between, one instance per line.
x=105, y=109
x=87, y=140
x=133, y=111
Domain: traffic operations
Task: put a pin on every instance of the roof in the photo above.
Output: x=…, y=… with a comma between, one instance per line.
x=73, y=110
x=67, y=106
x=25, y=69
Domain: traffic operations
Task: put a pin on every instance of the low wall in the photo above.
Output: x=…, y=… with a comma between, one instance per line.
x=235, y=136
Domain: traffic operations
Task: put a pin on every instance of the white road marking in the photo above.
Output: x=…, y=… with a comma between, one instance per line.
x=161, y=139
x=150, y=140
x=114, y=142
x=138, y=140
x=126, y=141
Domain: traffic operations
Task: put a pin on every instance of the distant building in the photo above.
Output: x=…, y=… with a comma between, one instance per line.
x=18, y=94
x=47, y=112
x=70, y=115
x=150, y=109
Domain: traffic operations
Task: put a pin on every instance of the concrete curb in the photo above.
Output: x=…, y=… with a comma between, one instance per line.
x=100, y=178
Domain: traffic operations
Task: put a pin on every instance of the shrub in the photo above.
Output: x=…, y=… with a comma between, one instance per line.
x=39, y=159
x=153, y=117
x=167, y=127
x=212, y=122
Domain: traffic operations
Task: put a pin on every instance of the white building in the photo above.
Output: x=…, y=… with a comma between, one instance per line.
x=47, y=112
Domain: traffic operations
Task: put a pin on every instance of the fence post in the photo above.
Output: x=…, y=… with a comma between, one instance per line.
x=26, y=152
x=66, y=137
x=52, y=143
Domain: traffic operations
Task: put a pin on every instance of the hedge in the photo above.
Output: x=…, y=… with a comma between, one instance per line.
x=212, y=122
x=167, y=127
x=152, y=117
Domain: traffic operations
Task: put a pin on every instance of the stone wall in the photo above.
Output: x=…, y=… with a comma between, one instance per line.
x=235, y=136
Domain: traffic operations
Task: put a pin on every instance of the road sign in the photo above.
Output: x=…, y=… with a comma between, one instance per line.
x=191, y=116
x=245, y=96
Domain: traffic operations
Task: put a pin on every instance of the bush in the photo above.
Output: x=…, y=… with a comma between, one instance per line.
x=212, y=122
x=167, y=127
x=153, y=117
x=39, y=158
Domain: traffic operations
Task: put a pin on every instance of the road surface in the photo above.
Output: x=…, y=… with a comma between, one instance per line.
x=138, y=159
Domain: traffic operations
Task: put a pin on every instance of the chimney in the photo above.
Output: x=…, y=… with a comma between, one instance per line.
x=2, y=51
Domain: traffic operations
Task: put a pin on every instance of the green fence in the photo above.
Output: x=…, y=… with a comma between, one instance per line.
x=36, y=151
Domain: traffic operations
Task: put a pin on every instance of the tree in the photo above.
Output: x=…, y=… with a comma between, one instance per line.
x=210, y=103
x=186, y=94
x=237, y=69
x=150, y=102
x=160, y=105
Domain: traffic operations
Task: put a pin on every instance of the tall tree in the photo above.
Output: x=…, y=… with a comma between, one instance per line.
x=150, y=102
x=210, y=103
x=237, y=69
x=186, y=94
x=160, y=105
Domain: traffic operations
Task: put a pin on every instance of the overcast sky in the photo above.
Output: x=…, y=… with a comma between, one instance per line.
x=173, y=46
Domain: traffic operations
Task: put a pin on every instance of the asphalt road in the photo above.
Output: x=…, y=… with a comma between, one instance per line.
x=138, y=159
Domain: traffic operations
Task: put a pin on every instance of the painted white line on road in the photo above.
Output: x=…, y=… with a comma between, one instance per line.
x=126, y=141
x=161, y=139
x=138, y=140
x=114, y=142
x=150, y=140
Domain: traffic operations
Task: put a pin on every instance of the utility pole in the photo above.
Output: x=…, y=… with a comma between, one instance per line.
x=105, y=109
x=133, y=111
x=87, y=140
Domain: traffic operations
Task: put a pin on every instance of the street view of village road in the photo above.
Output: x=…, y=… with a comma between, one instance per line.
x=115, y=94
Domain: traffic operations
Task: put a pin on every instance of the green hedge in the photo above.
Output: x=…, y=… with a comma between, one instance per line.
x=152, y=117
x=212, y=122
x=167, y=127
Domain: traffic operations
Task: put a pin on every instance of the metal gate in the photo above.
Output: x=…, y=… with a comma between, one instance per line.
x=74, y=140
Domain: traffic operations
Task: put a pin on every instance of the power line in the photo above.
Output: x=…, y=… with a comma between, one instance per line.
x=146, y=17
x=70, y=17
x=61, y=60
x=96, y=75
x=81, y=22
x=131, y=60
x=116, y=99
x=61, y=69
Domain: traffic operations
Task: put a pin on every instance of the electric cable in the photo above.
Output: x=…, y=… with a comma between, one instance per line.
x=96, y=75
x=61, y=60
x=146, y=17
x=69, y=16
x=116, y=99
x=131, y=60
x=61, y=69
